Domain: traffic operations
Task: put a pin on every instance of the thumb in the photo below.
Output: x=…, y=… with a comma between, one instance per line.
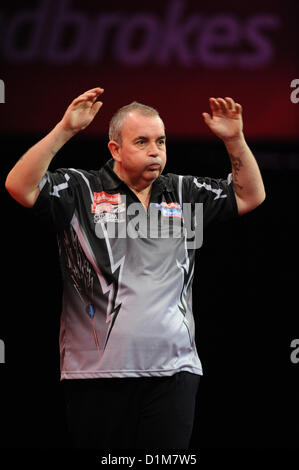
x=96, y=107
x=207, y=118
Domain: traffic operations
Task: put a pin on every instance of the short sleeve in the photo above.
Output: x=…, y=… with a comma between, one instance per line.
x=56, y=202
x=216, y=195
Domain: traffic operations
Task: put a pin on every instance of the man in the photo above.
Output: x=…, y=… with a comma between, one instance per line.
x=128, y=356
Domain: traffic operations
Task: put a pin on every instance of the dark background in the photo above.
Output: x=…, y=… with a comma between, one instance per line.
x=245, y=285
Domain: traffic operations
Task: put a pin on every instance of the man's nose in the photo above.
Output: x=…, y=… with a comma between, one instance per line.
x=153, y=150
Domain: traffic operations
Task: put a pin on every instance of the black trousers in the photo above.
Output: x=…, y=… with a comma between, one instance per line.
x=131, y=413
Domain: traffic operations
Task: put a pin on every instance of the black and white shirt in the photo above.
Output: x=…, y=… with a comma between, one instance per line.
x=127, y=272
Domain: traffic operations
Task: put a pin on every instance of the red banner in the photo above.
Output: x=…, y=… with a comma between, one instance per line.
x=171, y=55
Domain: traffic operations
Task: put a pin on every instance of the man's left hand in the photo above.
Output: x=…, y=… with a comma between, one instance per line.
x=226, y=120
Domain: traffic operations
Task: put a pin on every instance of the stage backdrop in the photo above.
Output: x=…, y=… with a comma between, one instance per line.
x=171, y=54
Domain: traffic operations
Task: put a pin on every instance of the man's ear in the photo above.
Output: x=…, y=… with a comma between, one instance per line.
x=114, y=148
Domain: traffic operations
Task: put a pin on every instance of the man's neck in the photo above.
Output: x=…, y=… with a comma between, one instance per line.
x=142, y=190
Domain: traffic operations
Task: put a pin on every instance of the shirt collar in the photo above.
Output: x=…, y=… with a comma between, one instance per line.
x=109, y=177
x=112, y=181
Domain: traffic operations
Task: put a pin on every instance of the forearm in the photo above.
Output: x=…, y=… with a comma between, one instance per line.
x=246, y=175
x=23, y=180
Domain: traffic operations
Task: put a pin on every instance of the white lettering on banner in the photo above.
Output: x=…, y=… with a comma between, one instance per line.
x=295, y=93
x=2, y=92
x=60, y=33
x=295, y=353
x=2, y=352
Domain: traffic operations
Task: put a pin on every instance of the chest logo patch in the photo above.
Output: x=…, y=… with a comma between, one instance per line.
x=107, y=207
x=170, y=209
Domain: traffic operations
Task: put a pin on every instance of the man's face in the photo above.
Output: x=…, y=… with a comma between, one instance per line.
x=143, y=150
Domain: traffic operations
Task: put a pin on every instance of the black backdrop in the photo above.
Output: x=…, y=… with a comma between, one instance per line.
x=245, y=285
x=245, y=307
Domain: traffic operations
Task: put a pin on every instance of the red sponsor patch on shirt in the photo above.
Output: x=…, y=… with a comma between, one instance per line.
x=102, y=202
x=105, y=197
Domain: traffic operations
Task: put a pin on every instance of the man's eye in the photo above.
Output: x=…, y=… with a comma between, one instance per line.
x=161, y=142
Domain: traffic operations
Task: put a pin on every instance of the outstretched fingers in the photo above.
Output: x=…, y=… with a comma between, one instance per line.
x=224, y=106
x=230, y=103
x=89, y=95
x=214, y=105
x=238, y=108
x=96, y=107
x=232, y=106
x=219, y=106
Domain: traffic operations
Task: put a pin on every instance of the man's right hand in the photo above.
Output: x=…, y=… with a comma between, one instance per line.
x=82, y=111
x=23, y=180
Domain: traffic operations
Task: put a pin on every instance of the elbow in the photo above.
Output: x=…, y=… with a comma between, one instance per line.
x=262, y=197
x=8, y=185
x=14, y=193
x=26, y=200
x=248, y=205
x=257, y=201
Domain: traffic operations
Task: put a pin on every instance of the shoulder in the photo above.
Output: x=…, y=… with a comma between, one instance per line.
x=175, y=181
x=72, y=175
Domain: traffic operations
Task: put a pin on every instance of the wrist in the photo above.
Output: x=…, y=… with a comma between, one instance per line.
x=236, y=145
x=64, y=133
x=238, y=139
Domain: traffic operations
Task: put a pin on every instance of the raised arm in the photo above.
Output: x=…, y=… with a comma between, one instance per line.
x=23, y=180
x=226, y=122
